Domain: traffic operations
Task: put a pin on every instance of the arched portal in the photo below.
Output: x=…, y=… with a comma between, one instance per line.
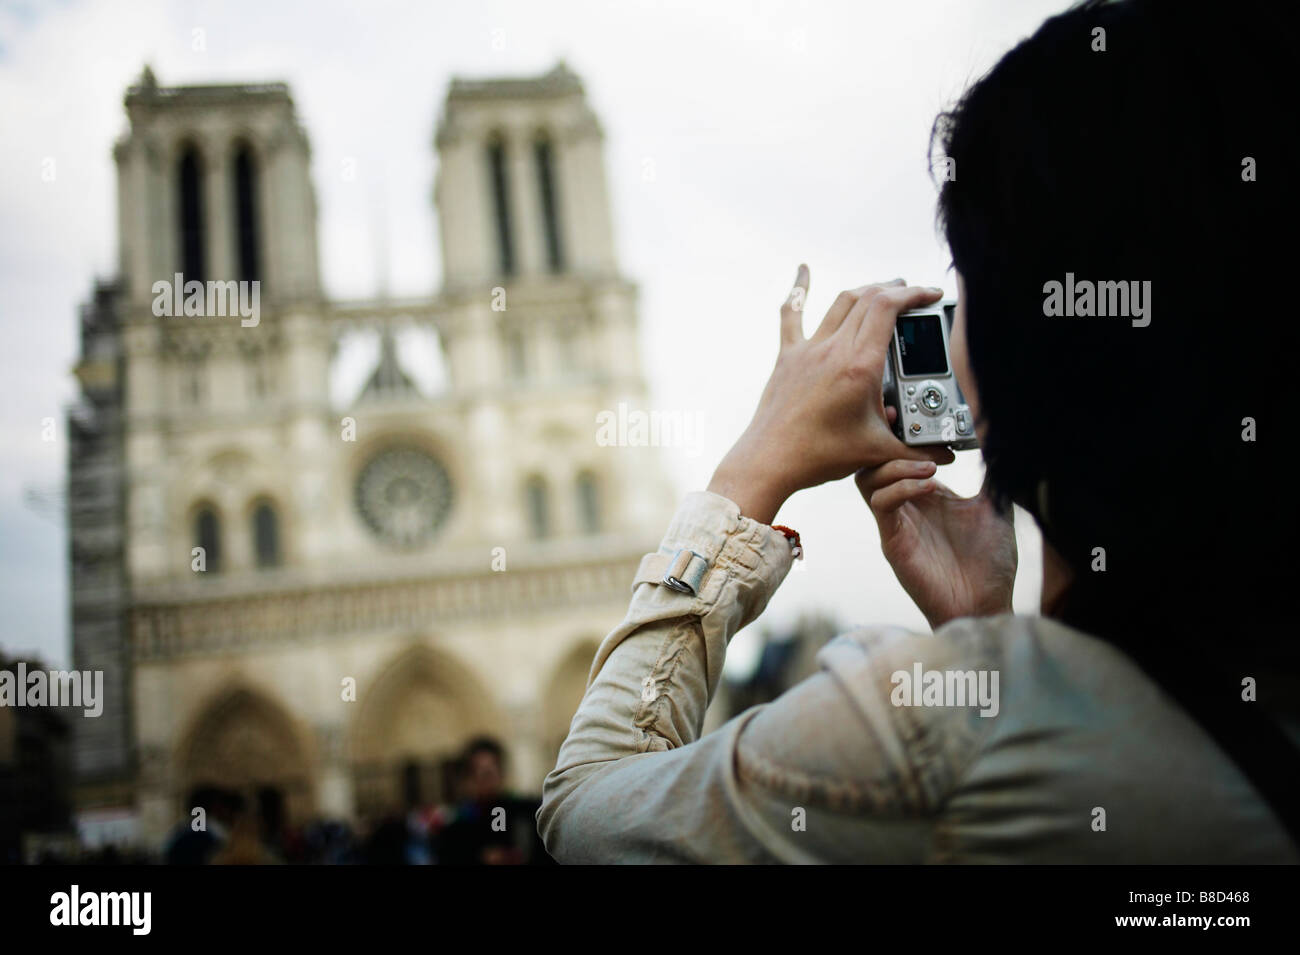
x=245, y=742
x=414, y=719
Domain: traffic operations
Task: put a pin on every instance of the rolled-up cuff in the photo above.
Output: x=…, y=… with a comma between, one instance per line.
x=693, y=559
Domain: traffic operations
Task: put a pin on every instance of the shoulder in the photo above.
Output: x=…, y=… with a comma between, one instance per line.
x=1013, y=646
x=975, y=678
x=843, y=738
x=892, y=718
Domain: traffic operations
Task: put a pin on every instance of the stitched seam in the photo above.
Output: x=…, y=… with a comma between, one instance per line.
x=943, y=838
x=934, y=778
x=977, y=747
x=919, y=753
x=883, y=723
x=880, y=797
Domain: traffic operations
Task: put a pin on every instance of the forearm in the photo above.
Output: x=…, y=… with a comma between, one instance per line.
x=654, y=675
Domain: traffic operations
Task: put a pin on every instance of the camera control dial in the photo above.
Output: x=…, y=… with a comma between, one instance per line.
x=932, y=397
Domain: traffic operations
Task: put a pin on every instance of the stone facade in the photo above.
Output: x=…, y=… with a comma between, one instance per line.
x=329, y=601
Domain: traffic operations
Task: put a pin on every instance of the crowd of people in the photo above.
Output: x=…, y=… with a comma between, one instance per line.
x=484, y=825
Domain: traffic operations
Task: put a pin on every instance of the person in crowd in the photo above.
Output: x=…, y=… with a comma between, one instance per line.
x=196, y=839
x=491, y=826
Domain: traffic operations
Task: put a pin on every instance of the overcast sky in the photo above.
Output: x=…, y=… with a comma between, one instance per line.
x=774, y=133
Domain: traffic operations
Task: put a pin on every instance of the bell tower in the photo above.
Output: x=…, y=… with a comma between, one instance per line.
x=214, y=183
x=187, y=412
x=539, y=324
x=214, y=187
x=521, y=191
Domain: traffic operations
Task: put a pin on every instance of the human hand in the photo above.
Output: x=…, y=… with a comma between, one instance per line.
x=955, y=556
x=822, y=415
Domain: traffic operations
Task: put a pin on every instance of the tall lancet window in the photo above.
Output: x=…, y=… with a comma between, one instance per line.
x=207, y=534
x=539, y=507
x=190, y=180
x=588, y=503
x=544, y=157
x=266, y=535
x=247, y=248
x=500, y=181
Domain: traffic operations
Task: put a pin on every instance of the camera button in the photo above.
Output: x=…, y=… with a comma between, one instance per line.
x=915, y=427
x=912, y=407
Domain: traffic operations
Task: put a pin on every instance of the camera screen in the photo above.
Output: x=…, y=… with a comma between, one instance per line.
x=920, y=345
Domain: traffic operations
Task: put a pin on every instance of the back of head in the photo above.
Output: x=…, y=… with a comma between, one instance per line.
x=1147, y=143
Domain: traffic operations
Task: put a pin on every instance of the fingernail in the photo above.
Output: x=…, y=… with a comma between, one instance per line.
x=937, y=291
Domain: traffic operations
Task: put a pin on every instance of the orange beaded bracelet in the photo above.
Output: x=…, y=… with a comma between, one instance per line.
x=792, y=535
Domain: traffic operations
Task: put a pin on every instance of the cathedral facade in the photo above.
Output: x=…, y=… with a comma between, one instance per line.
x=320, y=600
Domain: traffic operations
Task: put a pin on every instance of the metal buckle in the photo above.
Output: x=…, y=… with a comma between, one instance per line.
x=685, y=571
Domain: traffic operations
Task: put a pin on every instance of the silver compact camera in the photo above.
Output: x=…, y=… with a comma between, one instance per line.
x=920, y=383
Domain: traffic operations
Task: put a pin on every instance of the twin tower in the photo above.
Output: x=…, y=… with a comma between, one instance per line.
x=214, y=182
x=318, y=602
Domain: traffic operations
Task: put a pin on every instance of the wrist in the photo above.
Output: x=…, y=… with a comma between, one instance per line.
x=753, y=491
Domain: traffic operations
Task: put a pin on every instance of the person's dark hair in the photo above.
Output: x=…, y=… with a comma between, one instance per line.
x=484, y=744
x=1133, y=163
x=207, y=797
x=214, y=795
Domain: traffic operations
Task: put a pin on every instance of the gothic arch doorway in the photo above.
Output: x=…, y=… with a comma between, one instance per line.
x=247, y=743
x=414, y=719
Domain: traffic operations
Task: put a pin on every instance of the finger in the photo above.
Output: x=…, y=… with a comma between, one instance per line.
x=845, y=303
x=938, y=453
x=870, y=480
x=854, y=318
x=893, y=496
x=877, y=324
x=792, y=310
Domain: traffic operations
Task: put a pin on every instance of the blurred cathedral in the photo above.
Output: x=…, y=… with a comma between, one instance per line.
x=316, y=603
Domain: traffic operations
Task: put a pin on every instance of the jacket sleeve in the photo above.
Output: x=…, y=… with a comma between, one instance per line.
x=635, y=782
x=630, y=772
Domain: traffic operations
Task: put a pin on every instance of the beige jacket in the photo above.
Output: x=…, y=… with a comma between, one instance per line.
x=1079, y=759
